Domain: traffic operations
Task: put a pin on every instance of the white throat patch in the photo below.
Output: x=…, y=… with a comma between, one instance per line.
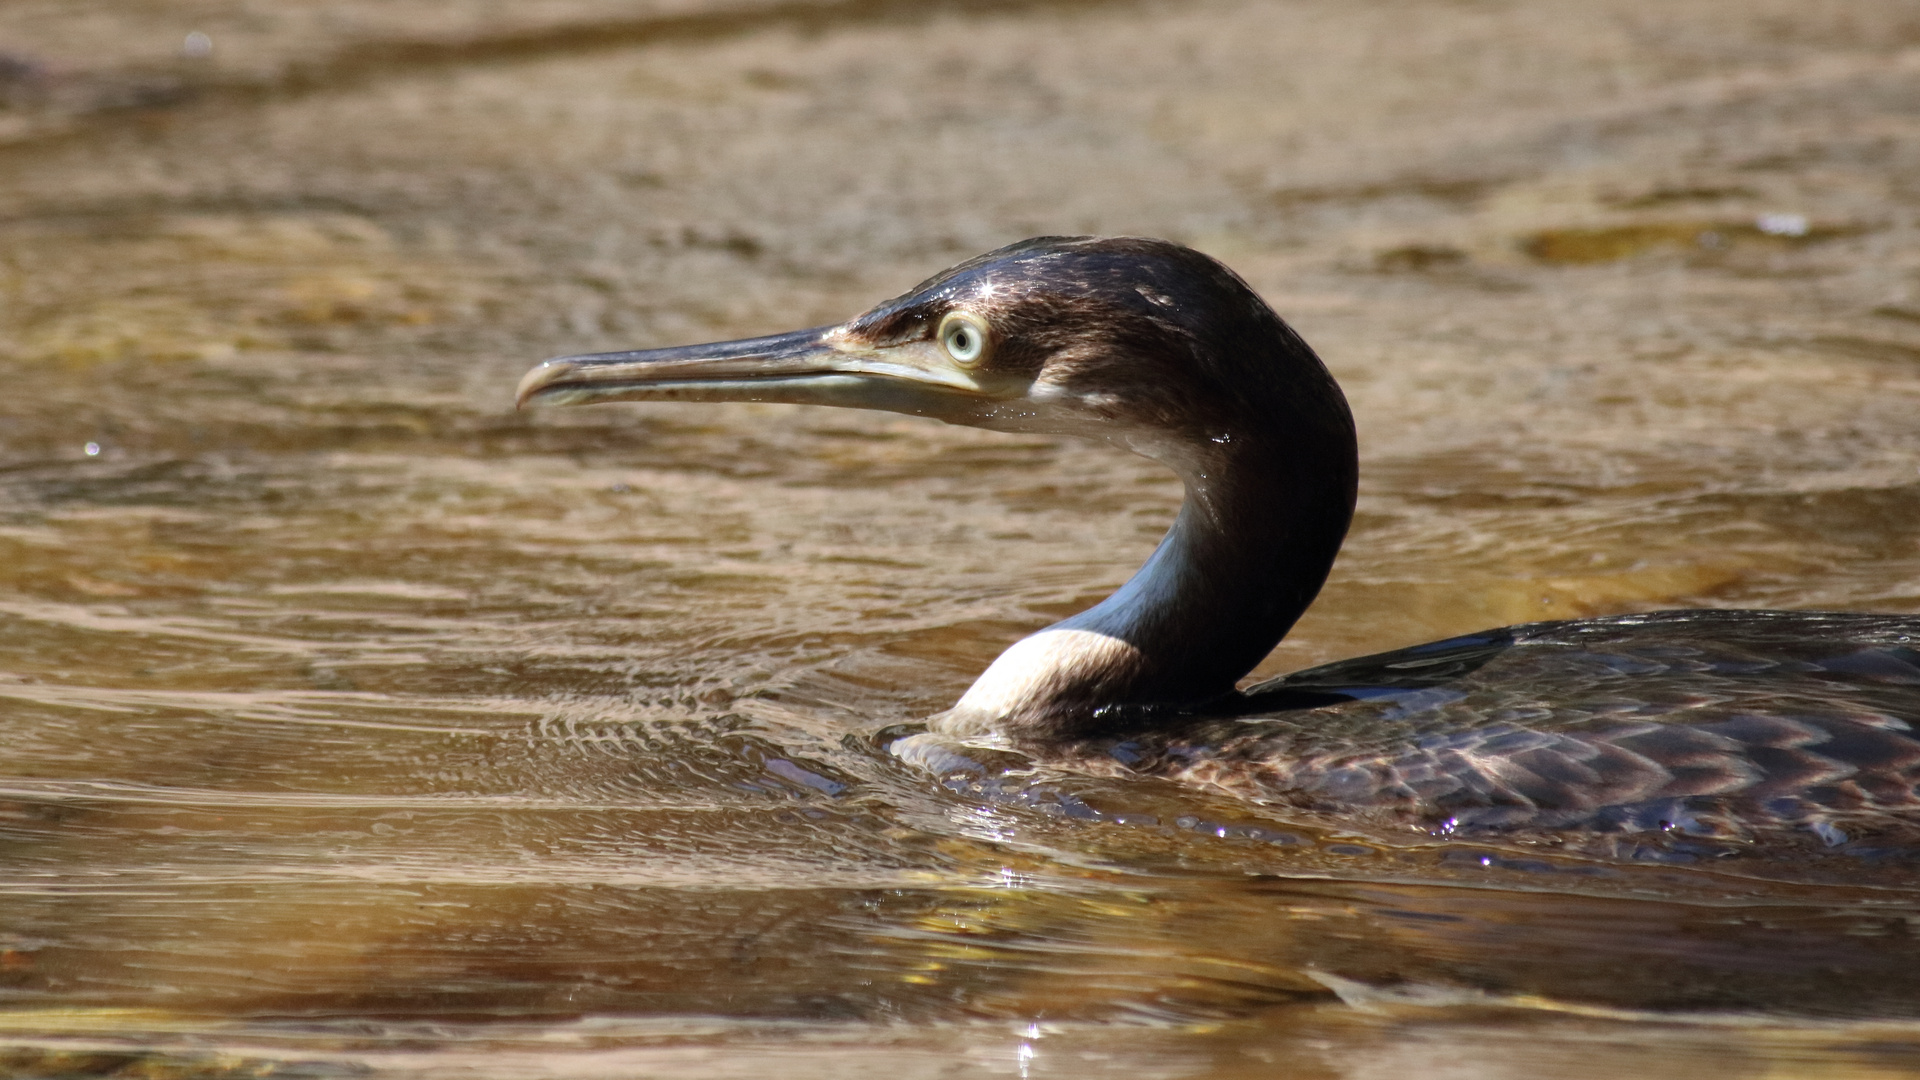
x=1036, y=670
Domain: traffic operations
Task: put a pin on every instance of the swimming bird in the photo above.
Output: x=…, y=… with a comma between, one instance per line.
x=1704, y=723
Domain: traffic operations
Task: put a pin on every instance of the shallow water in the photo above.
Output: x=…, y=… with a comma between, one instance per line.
x=355, y=723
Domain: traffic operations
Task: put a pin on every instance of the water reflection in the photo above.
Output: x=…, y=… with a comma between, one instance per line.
x=354, y=723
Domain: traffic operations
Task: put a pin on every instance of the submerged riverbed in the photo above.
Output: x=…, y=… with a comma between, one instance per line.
x=354, y=723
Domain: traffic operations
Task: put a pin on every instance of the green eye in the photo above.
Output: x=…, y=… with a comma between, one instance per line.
x=964, y=337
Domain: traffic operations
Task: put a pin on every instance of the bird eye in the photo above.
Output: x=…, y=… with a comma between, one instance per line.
x=964, y=337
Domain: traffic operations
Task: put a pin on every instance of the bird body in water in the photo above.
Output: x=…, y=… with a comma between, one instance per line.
x=1718, y=723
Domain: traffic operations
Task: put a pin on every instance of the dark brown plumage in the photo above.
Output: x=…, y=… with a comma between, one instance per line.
x=1699, y=723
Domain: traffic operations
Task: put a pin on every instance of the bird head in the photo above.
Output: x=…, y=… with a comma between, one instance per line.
x=1143, y=343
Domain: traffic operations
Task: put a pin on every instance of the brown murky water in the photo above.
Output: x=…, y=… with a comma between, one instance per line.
x=354, y=723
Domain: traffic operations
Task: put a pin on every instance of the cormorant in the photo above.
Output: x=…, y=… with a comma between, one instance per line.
x=1707, y=722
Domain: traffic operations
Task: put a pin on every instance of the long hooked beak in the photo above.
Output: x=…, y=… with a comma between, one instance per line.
x=820, y=366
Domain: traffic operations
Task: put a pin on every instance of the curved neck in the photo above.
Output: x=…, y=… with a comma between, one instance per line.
x=1253, y=542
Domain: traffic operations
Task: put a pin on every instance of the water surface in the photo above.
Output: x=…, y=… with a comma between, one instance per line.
x=356, y=723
